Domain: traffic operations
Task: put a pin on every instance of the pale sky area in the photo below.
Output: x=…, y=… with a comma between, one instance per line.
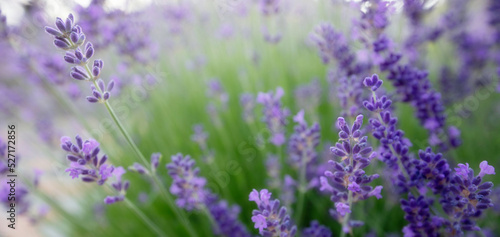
x=13, y=9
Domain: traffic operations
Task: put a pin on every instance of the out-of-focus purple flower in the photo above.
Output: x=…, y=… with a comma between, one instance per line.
x=308, y=96
x=271, y=219
x=349, y=91
x=303, y=142
x=288, y=191
x=226, y=218
x=21, y=195
x=332, y=46
x=316, y=230
x=217, y=93
x=247, y=101
x=269, y=7
x=342, y=208
x=191, y=194
x=274, y=115
x=200, y=137
x=187, y=185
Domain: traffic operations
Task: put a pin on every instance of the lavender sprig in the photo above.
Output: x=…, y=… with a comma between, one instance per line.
x=271, y=218
x=274, y=115
x=461, y=195
x=302, y=150
x=347, y=184
x=64, y=35
x=192, y=194
x=85, y=162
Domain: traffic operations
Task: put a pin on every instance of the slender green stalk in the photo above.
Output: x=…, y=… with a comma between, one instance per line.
x=157, y=181
x=302, y=189
x=345, y=221
x=144, y=218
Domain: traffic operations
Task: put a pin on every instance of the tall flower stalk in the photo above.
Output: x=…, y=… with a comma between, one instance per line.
x=70, y=37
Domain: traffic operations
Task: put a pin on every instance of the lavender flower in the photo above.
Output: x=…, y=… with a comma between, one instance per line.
x=102, y=94
x=316, y=230
x=3, y=157
x=70, y=37
x=21, y=196
x=217, y=92
x=85, y=161
x=274, y=115
x=187, y=185
x=308, y=96
x=191, y=194
x=155, y=161
x=303, y=142
x=332, y=45
x=349, y=91
x=347, y=184
x=466, y=197
x=119, y=185
x=200, y=137
x=461, y=195
x=226, y=218
x=270, y=218
x=248, y=103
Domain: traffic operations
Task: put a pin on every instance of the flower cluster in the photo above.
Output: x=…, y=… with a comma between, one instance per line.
x=348, y=183
x=333, y=46
x=247, y=102
x=348, y=91
x=316, y=230
x=303, y=142
x=271, y=219
x=85, y=162
x=70, y=37
x=155, y=161
x=192, y=194
x=308, y=96
x=200, y=137
x=274, y=115
x=461, y=195
x=187, y=185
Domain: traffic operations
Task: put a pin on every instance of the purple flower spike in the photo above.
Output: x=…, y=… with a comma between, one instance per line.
x=70, y=37
x=274, y=115
x=191, y=194
x=347, y=182
x=270, y=218
x=303, y=142
x=316, y=230
x=187, y=185
x=85, y=162
x=155, y=160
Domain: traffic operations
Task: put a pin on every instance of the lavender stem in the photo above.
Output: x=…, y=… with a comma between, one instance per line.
x=167, y=197
x=144, y=217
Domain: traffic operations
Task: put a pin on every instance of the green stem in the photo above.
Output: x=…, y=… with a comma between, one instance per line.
x=302, y=190
x=144, y=217
x=157, y=181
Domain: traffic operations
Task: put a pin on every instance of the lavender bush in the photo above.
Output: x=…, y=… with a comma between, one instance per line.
x=301, y=118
